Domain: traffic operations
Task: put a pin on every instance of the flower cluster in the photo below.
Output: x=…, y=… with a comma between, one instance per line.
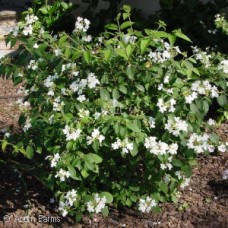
x=184, y=181
x=125, y=145
x=70, y=198
x=33, y=65
x=97, y=204
x=71, y=133
x=54, y=159
x=62, y=174
x=81, y=25
x=224, y=66
x=220, y=22
x=79, y=85
x=162, y=53
x=160, y=148
x=176, y=125
x=201, y=88
x=167, y=106
x=146, y=205
x=129, y=39
x=27, y=124
x=200, y=143
x=96, y=135
x=28, y=26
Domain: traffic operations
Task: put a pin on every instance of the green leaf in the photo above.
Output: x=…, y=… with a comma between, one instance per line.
x=192, y=162
x=88, y=163
x=205, y=106
x=133, y=126
x=87, y=56
x=179, y=34
x=107, y=54
x=125, y=15
x=144, y=45
x=97, y=159
x=67, y=52
x=62, y=39
x=140, y=87
x=115, y=94
x=194, y=108
x=127, y=8
x=123, y=89
x=129, y=50
x=177, y=163
x=172, y=39
x=222, y=100
x=126, y=24
x=73, y=173
x=4, y=145
x=121, y=53
x=29, y=152
x=130, y=73
x=187, y=170
x=105, y=211
x=214, y=138
x=104, y=94
x=108, y=196
x=84, y=173
x=111, y=27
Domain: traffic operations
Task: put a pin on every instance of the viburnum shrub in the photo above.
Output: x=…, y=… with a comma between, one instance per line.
x=116, y=119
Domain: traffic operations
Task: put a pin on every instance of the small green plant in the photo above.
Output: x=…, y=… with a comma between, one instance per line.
x=115, y=119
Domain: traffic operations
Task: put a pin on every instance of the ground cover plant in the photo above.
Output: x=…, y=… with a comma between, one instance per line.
x=115, y=119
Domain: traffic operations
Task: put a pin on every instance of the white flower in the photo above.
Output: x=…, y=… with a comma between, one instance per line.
x=222, y=148
x=146, y=205
x=159, y=148
x=50, y=93
x=35, y=46
x=191, y=97
x=71, y=133
x=7, y=134
x=211, y=122
x=225, y=175
x=27, y=124
x=33, y=65
x=173, y=148
x=62, y=174
x=92, y=80
x=95, y=136
x=87, y=38
x=176, y=125
x=166, y=106
x=57, y=52
x=81, y=25
x=224, y=66
x=185, y=183
x=55, y=160
x=97, y=204
x=83, y=113
x=71, y=197
x=200, y=143
x=62, y=208
x=27, y=30
x=125, y=145
x=81, y=98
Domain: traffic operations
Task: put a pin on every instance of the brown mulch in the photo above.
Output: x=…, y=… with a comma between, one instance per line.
x=203, y=204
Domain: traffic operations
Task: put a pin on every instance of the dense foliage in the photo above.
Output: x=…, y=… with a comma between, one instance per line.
x=115, y=119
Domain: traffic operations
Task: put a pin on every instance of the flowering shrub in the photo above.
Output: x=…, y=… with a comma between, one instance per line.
x=116, y=119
